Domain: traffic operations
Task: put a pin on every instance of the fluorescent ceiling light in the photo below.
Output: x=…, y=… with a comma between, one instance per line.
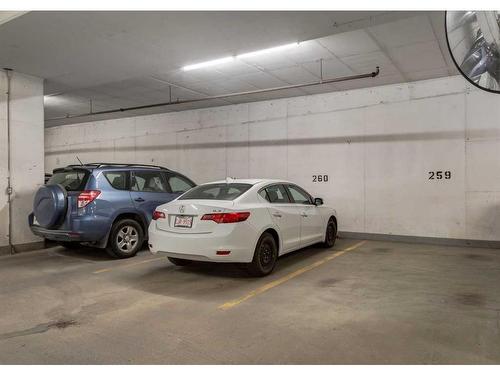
x=208, y=63
x=242, y=56
x=267, y=50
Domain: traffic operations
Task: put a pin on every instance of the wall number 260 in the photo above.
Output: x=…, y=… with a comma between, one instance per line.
x=320, y=178
x=439, y=175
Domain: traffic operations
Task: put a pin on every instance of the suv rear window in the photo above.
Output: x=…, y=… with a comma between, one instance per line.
x=222, y=192
x=148, y=181
x=179, y=184
x=72, y=180
x=117, y=179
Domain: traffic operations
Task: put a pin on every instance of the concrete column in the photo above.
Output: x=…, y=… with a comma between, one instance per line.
x=25, y=144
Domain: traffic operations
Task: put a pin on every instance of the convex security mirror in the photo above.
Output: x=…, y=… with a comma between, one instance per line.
x=474, y=42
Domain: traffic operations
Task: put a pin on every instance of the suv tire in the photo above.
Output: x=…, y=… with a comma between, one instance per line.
x=126, y=239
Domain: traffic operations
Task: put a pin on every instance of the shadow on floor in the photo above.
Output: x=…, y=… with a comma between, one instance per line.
x=211, y=281
x=86, y=252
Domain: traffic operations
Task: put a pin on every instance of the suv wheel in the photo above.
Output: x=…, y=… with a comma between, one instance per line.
x=126, y=238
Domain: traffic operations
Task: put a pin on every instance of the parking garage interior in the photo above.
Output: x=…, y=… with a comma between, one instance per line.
x=366, y=109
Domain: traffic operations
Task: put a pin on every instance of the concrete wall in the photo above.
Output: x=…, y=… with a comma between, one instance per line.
x=377, y=146
x=27, y=162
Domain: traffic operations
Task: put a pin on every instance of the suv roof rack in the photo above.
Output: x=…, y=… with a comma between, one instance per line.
x=99, y=165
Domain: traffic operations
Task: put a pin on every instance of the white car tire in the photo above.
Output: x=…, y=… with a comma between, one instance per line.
x=330, y=234
x=265, y=256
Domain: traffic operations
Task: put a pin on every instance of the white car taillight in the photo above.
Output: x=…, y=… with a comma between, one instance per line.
x=86, y=197
x=227, y=217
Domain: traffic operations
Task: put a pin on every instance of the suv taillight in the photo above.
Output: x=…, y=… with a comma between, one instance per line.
x=227, y=217
x=158, y=215
x=86, y=197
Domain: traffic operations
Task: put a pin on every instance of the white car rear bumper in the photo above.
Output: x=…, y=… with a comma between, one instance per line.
x=238, y=238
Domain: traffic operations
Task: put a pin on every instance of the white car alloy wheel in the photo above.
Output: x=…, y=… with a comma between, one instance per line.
x=240, y=221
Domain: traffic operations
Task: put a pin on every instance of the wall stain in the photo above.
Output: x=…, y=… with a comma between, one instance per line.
x=355, y=138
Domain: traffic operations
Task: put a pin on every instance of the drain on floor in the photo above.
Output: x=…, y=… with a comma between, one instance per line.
x=470, y=299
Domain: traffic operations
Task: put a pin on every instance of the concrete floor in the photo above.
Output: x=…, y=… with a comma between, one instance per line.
x=379, y=303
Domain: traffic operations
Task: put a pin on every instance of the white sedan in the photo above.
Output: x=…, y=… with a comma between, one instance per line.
x=243, y=221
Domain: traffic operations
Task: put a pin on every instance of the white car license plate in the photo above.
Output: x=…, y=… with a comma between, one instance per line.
x=183, y=221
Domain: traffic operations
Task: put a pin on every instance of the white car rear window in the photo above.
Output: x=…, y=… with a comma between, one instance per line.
x=225, y=192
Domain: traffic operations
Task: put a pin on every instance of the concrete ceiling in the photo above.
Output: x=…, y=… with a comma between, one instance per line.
x=110, y=60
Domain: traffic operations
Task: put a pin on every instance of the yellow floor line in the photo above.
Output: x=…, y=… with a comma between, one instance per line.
x=127, y=265
x=300, y=271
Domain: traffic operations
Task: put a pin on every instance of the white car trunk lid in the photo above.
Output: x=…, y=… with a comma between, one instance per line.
x=185, y=212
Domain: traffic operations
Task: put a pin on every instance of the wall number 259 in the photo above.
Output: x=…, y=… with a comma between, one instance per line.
x=320, y=178
x=439, y=175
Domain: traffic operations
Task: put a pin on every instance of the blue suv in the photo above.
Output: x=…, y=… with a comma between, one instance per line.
x=104, y=205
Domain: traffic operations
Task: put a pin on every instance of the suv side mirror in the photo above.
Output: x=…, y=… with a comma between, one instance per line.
x=318, y=201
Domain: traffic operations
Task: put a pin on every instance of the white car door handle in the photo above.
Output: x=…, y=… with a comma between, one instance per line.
x=303, y=215
x=276, y=214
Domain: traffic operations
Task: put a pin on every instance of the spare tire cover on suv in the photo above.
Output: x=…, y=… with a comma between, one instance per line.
x=50, y=205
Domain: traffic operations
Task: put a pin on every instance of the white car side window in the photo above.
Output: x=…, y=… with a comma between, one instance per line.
x=276, y=194
x=263, y=194
x=298, y=195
